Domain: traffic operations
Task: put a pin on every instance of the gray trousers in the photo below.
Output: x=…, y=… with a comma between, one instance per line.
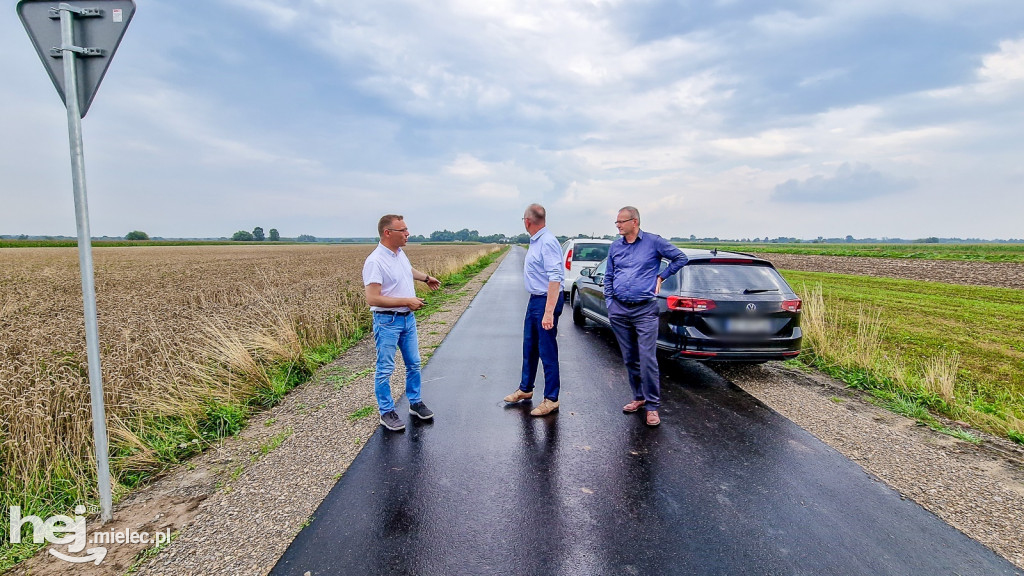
x=636, y=330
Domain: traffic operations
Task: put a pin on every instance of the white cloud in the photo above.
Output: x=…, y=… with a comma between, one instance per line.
x=275, y=14
x=822, y=77
x=467, y=165
x=850, y=183
x=496, y=190
x=1005, y=65
x=773, y=143
x=185, y=120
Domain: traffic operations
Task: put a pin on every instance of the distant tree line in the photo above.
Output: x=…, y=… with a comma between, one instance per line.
x=467, y=235
x=256, y=235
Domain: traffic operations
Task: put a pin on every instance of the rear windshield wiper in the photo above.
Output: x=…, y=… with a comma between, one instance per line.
x=759, y=290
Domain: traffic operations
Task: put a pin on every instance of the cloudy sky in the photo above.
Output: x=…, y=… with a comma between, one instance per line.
x=728, y=118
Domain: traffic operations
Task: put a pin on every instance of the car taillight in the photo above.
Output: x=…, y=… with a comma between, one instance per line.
x=792, y=305
x=690, y=304
x=568, y=259
x=697, y=353
x=731, y=261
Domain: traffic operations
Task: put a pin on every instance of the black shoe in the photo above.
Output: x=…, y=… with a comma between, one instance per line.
x=391, y=421
x=421, y=411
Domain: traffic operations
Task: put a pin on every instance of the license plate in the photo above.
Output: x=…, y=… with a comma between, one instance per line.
x=748, y=325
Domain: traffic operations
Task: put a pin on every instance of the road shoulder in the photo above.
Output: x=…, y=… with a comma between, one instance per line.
x=977, y=489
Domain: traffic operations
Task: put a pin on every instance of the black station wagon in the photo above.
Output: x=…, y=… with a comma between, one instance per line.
x=721, y=306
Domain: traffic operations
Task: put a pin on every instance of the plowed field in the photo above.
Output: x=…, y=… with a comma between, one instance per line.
x=997, y=274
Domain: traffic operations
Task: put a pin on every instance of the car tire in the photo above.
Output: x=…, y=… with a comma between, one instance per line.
x=577, y=310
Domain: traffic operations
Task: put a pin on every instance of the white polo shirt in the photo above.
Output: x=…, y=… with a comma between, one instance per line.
x=393, y=272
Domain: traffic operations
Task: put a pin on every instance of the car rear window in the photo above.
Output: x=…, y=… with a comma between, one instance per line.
x=732, y=279
x=589, y=252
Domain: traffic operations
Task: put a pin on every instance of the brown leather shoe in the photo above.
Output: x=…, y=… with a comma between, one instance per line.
x=546, y=407
x=518, y=395
x=652, y=418
x=633, y=406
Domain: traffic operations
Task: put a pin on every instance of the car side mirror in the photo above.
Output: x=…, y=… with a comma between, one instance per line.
x=599, y=279
x=586, y=272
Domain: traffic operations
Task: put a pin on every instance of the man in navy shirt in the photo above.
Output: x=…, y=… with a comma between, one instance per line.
x=631, y=282
x=542, y=274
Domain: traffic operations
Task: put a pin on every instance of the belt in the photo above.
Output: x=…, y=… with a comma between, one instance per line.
x=393, y=312
x=634, y=304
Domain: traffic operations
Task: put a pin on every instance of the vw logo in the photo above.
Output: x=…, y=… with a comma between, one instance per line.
x=751, y=307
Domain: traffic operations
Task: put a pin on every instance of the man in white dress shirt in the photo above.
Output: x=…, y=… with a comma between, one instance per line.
x=388, y=277
x=542, y=274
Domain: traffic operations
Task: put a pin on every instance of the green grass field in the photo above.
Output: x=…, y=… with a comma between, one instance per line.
x=919, y=322
x=973, y=252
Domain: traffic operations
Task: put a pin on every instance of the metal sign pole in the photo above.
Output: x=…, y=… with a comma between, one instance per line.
x=92, y=339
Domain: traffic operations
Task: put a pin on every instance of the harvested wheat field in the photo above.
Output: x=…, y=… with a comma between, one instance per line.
x=190, y=337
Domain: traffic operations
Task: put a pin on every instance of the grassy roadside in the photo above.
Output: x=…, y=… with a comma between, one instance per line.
x=970, y=252
x=249, y=373
x=920, y=348
x=451, y=284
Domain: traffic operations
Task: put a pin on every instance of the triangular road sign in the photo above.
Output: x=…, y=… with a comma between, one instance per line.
x=98, y=30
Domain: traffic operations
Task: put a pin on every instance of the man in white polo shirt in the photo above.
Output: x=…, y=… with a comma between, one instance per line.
x=388, y=277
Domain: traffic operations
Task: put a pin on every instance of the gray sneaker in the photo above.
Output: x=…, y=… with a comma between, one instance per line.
x=421, y=411
x=391, y=421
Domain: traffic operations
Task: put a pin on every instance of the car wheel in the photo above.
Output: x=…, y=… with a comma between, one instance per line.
x=577, y=310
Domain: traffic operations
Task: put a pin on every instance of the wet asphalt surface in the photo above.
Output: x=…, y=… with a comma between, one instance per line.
x=723, y=486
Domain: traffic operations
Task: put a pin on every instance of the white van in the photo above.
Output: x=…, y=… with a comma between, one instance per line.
x=580, y=253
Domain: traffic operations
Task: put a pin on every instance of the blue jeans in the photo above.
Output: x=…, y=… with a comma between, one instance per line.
x=539, y=344
x=636, y=330
x=391, y=332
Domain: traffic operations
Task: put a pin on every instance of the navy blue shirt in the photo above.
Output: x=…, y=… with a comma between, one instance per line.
x=632, y=270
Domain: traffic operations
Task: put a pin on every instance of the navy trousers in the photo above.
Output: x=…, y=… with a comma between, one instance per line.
x=636, y=330
x=539, y=344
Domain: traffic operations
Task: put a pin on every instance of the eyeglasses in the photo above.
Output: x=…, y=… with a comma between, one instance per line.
x=624, y=221
x=397, y=229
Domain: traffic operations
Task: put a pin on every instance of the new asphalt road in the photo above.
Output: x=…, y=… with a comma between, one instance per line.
x=723, y=486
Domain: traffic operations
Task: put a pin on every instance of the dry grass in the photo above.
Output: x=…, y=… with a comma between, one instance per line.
x=183, y=330
x=856, y=344
x=940, y=374
x=832, y=335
